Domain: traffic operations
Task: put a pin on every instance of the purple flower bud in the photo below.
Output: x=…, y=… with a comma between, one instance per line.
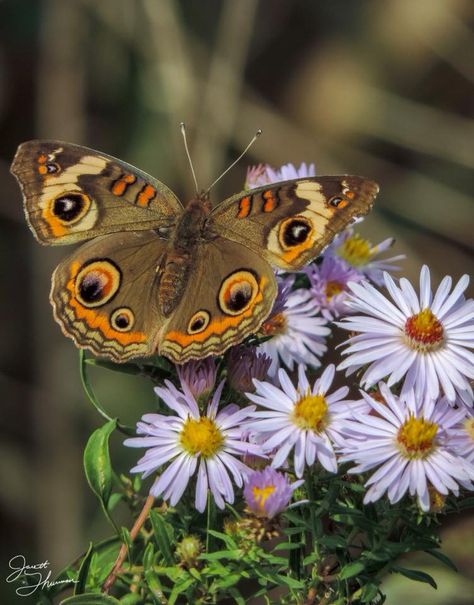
x=268, y=492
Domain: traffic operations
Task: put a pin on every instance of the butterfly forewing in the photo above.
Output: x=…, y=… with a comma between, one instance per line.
x=291, y=222
x=72, y=193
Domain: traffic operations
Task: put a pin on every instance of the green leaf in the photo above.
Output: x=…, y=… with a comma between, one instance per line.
x=443, y=558
x=289, y=581
x=132, y=598
x=368, y=593
x=235, y=594
x=163, y=533
x=288, y=546
x=230, y=580
x=221, y=554
x=351, y=569
x=95, y=598
x=92, y=397
x=80, y=586
x=179, y=589
x=229, y=542
x=416, y=575
x=151, y=578
x=97, y=465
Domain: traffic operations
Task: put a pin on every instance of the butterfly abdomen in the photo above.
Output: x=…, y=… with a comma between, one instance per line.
x=173, y=280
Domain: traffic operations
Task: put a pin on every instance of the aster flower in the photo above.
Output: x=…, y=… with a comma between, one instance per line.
x=304, y=418
x=424, y=339
x=198, y=376
x=243, y=365
x=329, y=285
x=462, y=437
x=268, y=492
x=361, y=255
x=298, y=335
x=410, y=444
x=264, y=174
x=192, y=442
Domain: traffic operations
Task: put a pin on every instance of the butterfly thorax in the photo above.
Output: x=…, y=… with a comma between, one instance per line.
x=189, y=231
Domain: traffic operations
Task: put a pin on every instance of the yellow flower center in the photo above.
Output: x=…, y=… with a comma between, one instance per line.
x=416, y=437
x=356, y=250
x=201, y=437
x=424, y=331
x=261, y=494
x=274, y=325
x=310, y=412
x=469, y=427
x=333, y=288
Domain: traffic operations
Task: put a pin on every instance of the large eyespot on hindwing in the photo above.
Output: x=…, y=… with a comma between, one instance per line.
x=97, y=282
x=69, y=208
x=122, y=319
x=237, y=292
x=199, y=322
x=294, y=231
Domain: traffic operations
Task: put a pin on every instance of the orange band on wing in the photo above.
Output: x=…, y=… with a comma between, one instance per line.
x=98, y=321
x=271, y=201
x=217, y=327
x=245, y=206
x=120, y=186
x=293, y=253
x=146, y=195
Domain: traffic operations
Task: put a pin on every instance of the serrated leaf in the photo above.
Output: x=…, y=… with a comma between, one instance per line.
x=97, y=464
x=161, y=531
x=80, y=585
x=416, y=575
x=95, y=598
x=351, y=569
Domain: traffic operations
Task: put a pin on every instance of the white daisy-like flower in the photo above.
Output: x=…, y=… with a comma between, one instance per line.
x=423, y=338
x=462, y=437
x=410, y=444
x=189, y=441
x=304, y=418
x=298, y=335
x=360, y=254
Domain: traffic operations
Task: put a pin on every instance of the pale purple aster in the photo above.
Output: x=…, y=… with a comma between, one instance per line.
x=424, y=340
x=264, y=174
x=329, y=285
x=361, y=255
x=199, y=376
x=462, y=437
x=268, y=492
x=188, y=442
x=243, y=365
x=304, y=418
x=409, y=442
x=298, y=335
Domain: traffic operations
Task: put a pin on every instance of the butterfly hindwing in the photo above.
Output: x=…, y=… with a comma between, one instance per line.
x=291, y=222
x=72, y=193
x=230, y=292
x=105, y=297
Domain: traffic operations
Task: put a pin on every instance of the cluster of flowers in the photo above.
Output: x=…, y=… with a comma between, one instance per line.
x=414, y=419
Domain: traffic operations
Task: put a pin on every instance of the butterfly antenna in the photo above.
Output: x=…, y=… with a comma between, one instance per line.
x=183, y=132
x=255, y=137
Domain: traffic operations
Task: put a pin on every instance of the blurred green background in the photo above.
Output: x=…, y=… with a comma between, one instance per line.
x=382, y=88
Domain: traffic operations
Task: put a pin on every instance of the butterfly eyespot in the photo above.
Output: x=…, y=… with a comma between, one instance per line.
x=198, y=322
x=69, y=208
x=52, y=167
x=294, y=232
x=97, y=282
x=336, y=201
x=349, y=193
x=122, y=319
x=237, y=292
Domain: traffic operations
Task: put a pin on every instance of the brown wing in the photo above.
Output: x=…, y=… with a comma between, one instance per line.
x=105, y=295
x=73, y=193
x=291, y=222
x=229, y=294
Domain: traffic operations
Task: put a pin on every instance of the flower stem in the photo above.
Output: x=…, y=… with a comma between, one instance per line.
x=123, y=550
